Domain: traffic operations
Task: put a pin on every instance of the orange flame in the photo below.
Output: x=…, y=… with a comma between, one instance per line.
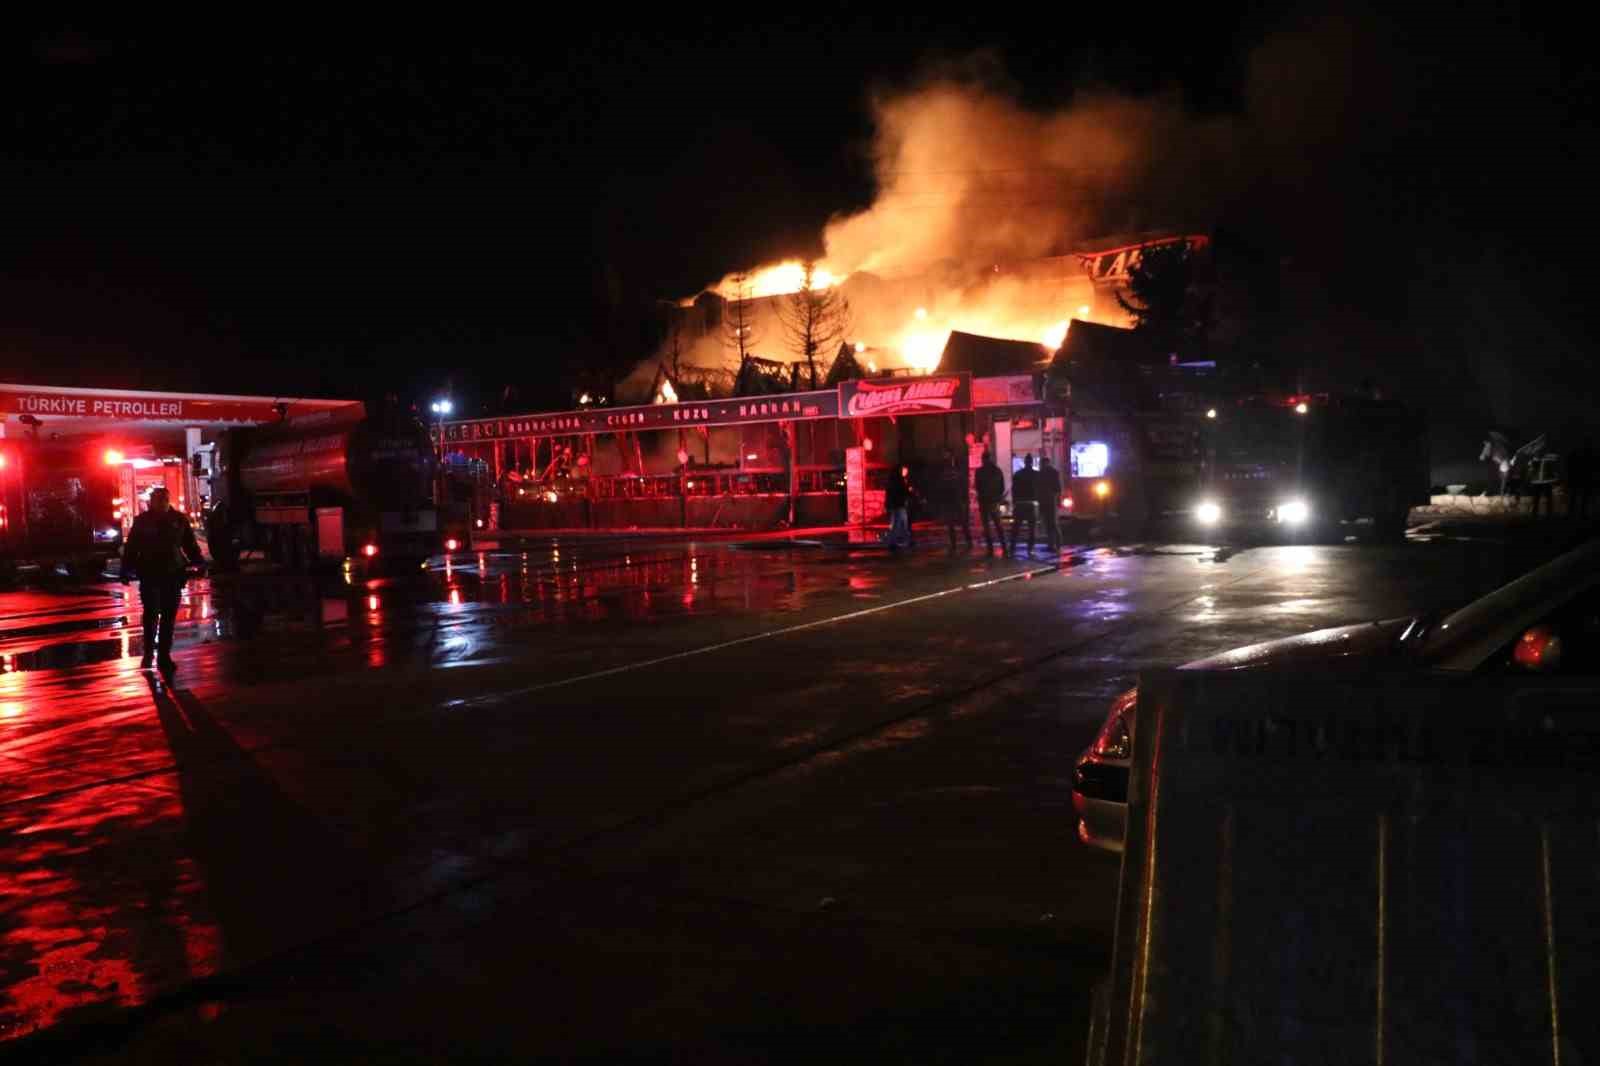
x=777, y=279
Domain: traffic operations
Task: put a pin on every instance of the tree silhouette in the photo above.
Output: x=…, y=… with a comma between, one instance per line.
x=739, y=331
x=1160, y=297
x=814, y=320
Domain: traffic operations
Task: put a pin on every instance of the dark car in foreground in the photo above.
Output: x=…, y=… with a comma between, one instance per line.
x=1545, y=622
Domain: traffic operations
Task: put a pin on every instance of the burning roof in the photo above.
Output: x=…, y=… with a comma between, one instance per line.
x=991, y=356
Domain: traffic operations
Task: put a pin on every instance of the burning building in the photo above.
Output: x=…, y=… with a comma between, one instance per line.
x=902, y=324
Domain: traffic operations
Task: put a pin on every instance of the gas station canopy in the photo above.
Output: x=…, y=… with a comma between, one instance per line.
x=84, y=412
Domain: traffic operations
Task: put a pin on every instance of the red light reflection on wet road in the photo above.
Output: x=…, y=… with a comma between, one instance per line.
x=135, y=856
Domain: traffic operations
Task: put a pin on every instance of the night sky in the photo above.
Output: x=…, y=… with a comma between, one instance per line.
x=340, y=213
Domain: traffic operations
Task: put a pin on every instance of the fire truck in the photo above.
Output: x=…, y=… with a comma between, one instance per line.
x=1302, y=464
x=1131, y=466
x=69, y=504
x=1296, y=465
x=322, y=488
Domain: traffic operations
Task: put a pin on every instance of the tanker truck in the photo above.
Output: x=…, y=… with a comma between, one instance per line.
x=323, y=488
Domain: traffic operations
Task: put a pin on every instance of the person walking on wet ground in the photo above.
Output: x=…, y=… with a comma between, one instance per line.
x=897, y=500
x=991, y=486
x=1047, y=486
x=1024, y=503
x=160, y=546
x=953, y=498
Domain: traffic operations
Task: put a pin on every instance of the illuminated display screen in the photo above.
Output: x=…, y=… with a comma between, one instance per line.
x=1090, y=458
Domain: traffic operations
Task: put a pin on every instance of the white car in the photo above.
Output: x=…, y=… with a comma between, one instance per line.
x=1545, y=622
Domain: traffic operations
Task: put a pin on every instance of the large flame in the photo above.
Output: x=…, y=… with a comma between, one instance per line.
x=776, y=279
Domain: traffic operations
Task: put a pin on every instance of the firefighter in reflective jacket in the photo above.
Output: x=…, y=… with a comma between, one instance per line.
x=160, y=546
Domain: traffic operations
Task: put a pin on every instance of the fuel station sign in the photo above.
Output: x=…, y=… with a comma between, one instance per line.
x=117, y=405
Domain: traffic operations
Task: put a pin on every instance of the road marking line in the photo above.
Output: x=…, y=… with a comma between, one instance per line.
x=545, y=686
x=1550, y=947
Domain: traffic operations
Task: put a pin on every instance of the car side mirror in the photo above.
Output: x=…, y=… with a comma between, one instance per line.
x=1538, y=650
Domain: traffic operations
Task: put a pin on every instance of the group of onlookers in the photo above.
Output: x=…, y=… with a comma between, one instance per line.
x=945, y=490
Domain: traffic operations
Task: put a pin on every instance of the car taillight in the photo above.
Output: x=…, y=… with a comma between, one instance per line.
x=1539, y=648
x=452, y=544
x=369, y=550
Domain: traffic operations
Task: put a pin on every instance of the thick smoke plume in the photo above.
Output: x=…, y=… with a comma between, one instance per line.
x=980, y=203
x=982, y=200
x=967, y=175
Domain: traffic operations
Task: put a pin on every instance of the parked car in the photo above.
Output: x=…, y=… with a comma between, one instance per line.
x=1545, y=622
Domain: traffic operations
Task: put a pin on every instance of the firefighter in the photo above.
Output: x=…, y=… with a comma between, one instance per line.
x=991, y=486
x=160, y=546
x=1048, y=491
x=1024, y=503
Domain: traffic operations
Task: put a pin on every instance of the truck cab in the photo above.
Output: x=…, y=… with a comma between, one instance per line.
x=1303, y=464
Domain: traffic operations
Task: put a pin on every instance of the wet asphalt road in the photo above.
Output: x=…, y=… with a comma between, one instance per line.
x=606, y=800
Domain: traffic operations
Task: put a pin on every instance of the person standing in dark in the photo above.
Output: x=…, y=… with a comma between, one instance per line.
x=1580, y=480
x=1048, y=488
x=1024, y=503
x=953, y=498
x=160, y=546
x=991, y=486
x=897, y=500
x=1542, y=480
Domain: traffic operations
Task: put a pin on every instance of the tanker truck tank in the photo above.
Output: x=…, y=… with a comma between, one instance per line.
x=332, y=486
x=387, y=467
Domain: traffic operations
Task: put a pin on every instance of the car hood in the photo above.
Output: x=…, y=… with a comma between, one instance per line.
x=1354, y=646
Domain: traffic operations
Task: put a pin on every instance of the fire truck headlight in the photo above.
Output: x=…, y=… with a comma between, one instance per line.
x=1294, y=512
x=1209, y=512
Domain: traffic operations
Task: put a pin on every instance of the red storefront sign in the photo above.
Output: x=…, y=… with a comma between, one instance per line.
x=934, y=394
